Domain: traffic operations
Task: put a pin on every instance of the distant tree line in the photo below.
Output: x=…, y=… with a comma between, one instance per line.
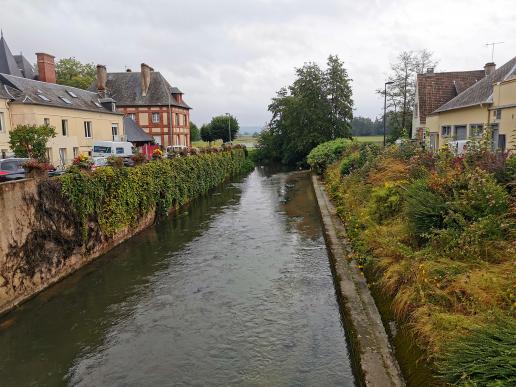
x=364, y=126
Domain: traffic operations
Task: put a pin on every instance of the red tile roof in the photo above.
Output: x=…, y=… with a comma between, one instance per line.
x=435, y=89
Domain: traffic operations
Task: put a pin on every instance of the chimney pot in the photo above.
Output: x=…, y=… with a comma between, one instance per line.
x=145, y=78
x=46, y=67
x=489, y=68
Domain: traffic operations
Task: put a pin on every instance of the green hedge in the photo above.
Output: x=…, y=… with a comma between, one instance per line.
x=118, y=197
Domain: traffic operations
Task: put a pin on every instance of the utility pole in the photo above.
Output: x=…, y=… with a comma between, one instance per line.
x=493, y=44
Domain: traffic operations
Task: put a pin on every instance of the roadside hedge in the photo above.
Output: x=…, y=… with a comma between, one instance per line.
x=117, y=197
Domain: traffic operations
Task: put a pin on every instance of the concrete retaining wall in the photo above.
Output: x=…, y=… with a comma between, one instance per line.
x=370, y=345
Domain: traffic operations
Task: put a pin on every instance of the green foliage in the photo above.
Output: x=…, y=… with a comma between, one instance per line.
x=487, y=357
x=71, y=72
x=118, y=197
x=220, y=126
x=195, y=133
x=316, y=108
x=425, y=210
x=364, y=126
x=385, y=201
x=326, y=153
x=31, y=140
x=206, y=133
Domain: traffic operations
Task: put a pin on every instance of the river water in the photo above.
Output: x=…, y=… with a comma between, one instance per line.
x=234, y=289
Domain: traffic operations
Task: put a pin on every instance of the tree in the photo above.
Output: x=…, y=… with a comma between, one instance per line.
x=316, y=108
x=401, y=94
x=31, y=140
x=195, y=134
x=71, y=72
x=221, y=125
x=206, y=134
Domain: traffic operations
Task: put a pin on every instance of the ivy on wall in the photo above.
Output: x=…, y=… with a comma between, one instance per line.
x=118, y=197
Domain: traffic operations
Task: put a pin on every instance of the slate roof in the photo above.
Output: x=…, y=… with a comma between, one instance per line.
x=125, y=88
x=482, y=91
x=8, y=64
x=435, y=89
x=134, y=133
x=25, y=67
x=28, y=91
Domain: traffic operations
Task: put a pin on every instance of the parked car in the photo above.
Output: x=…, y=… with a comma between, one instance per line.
x=11, y=169
x=112, y=148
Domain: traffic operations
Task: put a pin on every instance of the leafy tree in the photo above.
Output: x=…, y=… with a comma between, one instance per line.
x=195, y=134
x=206, y=134
x=364, y=126
x=31, y=140
x=221, y=125
x=71, y=72
x=316, y=108
x=401, y=94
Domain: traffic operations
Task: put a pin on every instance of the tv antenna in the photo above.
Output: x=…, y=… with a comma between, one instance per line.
x=493, y=44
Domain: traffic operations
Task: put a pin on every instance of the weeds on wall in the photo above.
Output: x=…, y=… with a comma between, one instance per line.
x=118, y=197
x=439, y=232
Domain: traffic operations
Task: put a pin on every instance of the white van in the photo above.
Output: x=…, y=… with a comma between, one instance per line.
x=112, y=148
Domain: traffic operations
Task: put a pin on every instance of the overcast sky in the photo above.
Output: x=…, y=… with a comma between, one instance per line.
x=233, y=55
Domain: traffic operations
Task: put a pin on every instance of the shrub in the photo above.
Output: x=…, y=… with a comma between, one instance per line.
x=115, y=161
x=385, y=201
x=31, y=140
x=425, y=210
x=349, y=163
x=326, y=153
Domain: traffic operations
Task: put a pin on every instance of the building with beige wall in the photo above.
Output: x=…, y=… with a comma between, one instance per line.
x=30, y=97
x=490, y=102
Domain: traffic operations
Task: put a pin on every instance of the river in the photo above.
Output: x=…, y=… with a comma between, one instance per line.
x=233, y=289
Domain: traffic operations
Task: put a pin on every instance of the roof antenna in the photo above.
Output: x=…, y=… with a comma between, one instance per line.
x=492, y=48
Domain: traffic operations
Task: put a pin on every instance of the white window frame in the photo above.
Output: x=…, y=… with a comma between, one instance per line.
x=156, y=117
x=132, y=116
x=64, y=128
x=448, y=130
x=88, y=129
x=474, y=130
x=2, y=123
x=46, y=121
x=114, y=131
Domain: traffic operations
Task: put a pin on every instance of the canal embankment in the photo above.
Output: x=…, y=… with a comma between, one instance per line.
x=374, y=359
x=52, y=227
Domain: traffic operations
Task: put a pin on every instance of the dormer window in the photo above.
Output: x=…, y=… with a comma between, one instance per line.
x=72, y=94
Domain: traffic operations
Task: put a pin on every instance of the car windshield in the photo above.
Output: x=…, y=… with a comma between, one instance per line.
x=101, y=149
x=12, y=165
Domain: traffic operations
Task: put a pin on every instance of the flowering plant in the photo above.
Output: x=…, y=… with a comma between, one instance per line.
x=157, y=153
x=83, y=162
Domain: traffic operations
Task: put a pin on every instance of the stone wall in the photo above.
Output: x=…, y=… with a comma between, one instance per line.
x=41, y=239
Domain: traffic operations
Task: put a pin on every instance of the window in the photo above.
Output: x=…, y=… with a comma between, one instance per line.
x=119, y=151
x=46, y=121
x=155, y=118
x=157, y=140
x=461, y=132
x=49, y=155
x=88, y=131
x=498, y=114
x=177, y=119
x=132, y=116
x=75, y=151
x=114, y=131
x=71, y=93
x=62, y=156
x=64, y=127
x=446, y=131
x=65, y=100
x=44, y=98
x=97, y=104
x=2, y=123
x=101, y=149
x=476, y=130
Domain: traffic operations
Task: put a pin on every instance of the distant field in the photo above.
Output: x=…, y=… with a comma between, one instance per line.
x=249, y=141
x=377, y=139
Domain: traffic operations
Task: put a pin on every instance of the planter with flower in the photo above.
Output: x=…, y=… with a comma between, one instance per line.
x=83, y=162
x=37, y=169
x=157, y=154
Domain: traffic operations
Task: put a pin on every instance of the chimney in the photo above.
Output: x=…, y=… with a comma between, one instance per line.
x=46, y=67
x=127, y=70
x=145, y=78
x=430, y=70
x=489, y=68
x=101, y=79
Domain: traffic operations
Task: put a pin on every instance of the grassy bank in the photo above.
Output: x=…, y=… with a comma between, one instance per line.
x=438, y=234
